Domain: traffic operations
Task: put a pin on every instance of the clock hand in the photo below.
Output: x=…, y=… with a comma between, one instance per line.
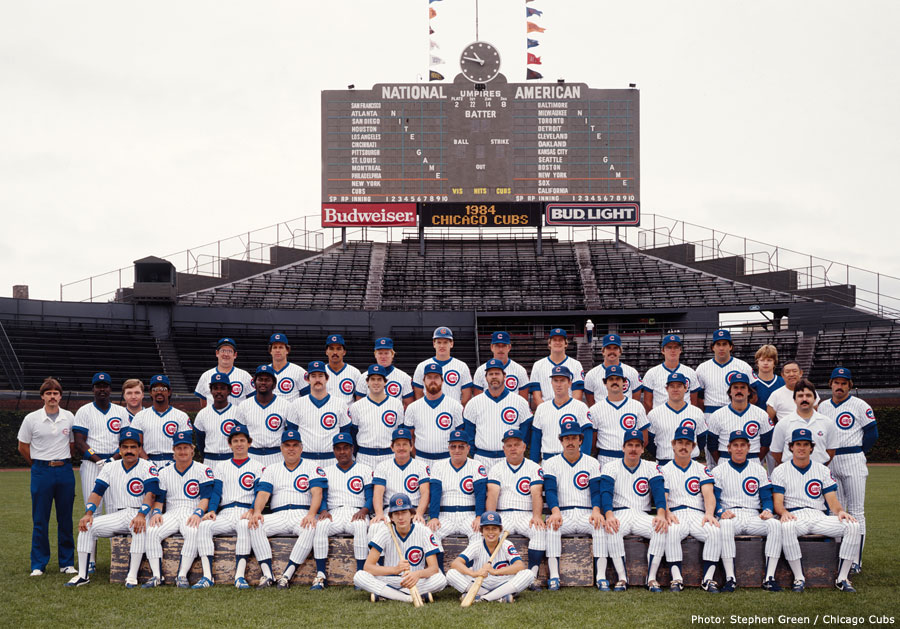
x=475, y=59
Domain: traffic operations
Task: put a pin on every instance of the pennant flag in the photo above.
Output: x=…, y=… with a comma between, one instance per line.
x=430, y=31
x=527, y=1
x=430, y=1
x=532, y=43
x=431, y=13
x=434, y=45
x=531, y=74
x=529, y=12
x=532, y=27
x=434, y=75
x=533, y=59
x=436, y=61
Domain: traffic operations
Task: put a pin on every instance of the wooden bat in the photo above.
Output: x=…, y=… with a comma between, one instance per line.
x=473, y=590
x=413, y=591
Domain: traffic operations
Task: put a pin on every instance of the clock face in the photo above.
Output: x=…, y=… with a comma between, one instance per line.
x=480, y=62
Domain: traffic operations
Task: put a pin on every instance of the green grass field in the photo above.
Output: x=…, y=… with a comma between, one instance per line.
x=44, y=601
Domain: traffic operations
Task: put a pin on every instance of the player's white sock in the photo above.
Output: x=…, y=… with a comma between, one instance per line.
x=154, y=566
x=290, y=570
x=771, y=564
x=535, y=569
x=184, y=566
x=797, y=569
x=676, y=572
x=207, y=568
x=240, y=568
x=83, y=560
x=601, y=567
x=134, y=565
x=655, y=560
x=553, y=567
x=728, y=564
x=619, y=565
x=844, y=571
x=710, y=571
x=266, y=567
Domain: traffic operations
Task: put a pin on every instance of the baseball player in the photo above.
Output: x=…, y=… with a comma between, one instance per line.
x=133, y=397
x=320, y=416
x=458, y=489
x=594, y=387
x=398, y=383
x=431, y=418
x=504, y=578
x=342, y=378
x=625, y=489
x=514, y=488
x=766, y=380
x=231, y=502
x=290, y=377
x=122, y=483
x=241, y=382
x=572, y=490
x=266, y=416
x=805, y=416
x=615, y=415
x=295, y=486
x=744, y=507
x=802, y=489
x=346, y=506
x=214, y=423
x=781, y=401
x=415, y=565
x=541, y=370
x=690, y=510
x=374, y=418
x=160, y=422
x=716, y=373
x=401, y=474
x=738, y=415
x=457, y=377
x=183, y=489
x=655, y=379
x=854, y=433
x=488, y=416
x=666, y=418
x=553, y=413
x=516, y=375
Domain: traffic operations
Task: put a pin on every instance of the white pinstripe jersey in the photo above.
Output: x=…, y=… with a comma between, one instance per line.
x=572, y=479
x=239, y=481
x=418, y=544
x=664, y=421
x=405, y=479
x=683, y=484
x=549, y=418
x=398, y=384
x=346, y=488
x=714, y=379
x=124, y=488
x=102, y=429
x=266, y=423
x=631, y=487
x=492, y=416
x=183, y=490
x=612, y=419
x=782, y=400
x=319, y=421
x=754, y=421
x=290, y=381
x=803, y=488
x=819, y=425
x=216, y=425
x=740, y=485
x=433, y=422
x=515, y=483
x=376, y=421
x=342, y=384
x=477, y=554
x=656, y=377
x=292, y=487
x=593, y=381
x=158, y=429
x=540, y=375
x=241, y=385
x=456, y=373
x=458, y=485
x=516, y=377
x=847, y=421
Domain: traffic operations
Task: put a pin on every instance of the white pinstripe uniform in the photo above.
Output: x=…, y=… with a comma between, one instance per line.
x=346, y=496
x=398, y=384
x=611, y=420
x=685, y=500
x=739, y=487
x=158, y=429
x=457, y=507
x=493, y=587
x=804, y=496
x=342, y=384
x=593, y=381
x=549, y=418
x=574, y=495
x=216, y=426
x=376, y=423
x=754, y=421
x=819, y=425
x=266, y=423
x=404, y=479
x=290, y=380
x=238, y=494
x=418, y=544
x=318, y=422
x=631, y=505
x=490, y=417
x=664, y=421
x=433, y=422
x=541, y=375
x=183, y=493
x=516, y=377
x=714, y=380
x=456, y=373
x=514, y=503
x=656, y=377
x=241, y=385
x=102, y=430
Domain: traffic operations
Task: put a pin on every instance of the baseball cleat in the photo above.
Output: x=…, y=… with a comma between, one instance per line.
x=131, y=583
x=855, y=569
x=283, y=583
x=799, y=585
x=182, y=583
x=318, y=583
x=844, y=586
x=730, y=585
x=203, y=583
x=603, y=585
x=677, y=585
x=264, y=583
x=37, y=572
x=553, y=584
x=152, y=582
x=241, y=583
x=620, y=586
x=509, y=598
x=535, y=587
x=92, y=567
x=770, y=585
x=653, y=586
x=68, y=570
x=77, y=581
x=710, y=586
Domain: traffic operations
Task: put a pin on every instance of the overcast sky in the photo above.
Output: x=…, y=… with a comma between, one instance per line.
x=135, y=128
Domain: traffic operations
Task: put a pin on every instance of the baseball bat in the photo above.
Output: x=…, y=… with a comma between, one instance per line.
x=473, y=590
x=413, y=591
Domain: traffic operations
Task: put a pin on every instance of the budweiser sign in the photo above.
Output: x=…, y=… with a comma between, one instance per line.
x=368, y=215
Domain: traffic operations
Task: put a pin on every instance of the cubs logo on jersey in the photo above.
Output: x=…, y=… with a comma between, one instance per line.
x=347, y=386
x=135, y=487
x=751, y=428
x=209, y=474
x=355, y=484
x=444, y=421
x=582, y=480
x=170, y=428
x=692, y=485
x=524, y=486
x=301, y=483
x=328, y=420
x=870, y=413
x=393, y=389
x=750, y=486
x=389, y=418
x=227, y=426
x=411, y=483
x=628, y=421
x=113, y=424
x=414, y=555
x=845, y=420
x=688, y=423
x=730, y=376
x=641, y=486
x=451, y=378
x=512, y=383
x=569, y=418
x=510, y=415
x=274, y=422
x=467, y=485
x=813, y=488
x=237, y=388
x=247, y=480
x=286, y=385
x=192, y=489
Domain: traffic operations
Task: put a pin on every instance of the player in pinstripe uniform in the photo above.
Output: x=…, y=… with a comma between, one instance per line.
x=594, y=387
x=572, y=491
x=373, y=420
x=320, y=416
x=231, y=502
x=655, y=379
x=214, y=422
x=802, y=490
x=159, y=423
x=431, y=418
x=346, y=506
x=744, y=506
x=615, y=415
x=626, y=486
x=290, y=377
x=122, y=483
x=488, y=416
x=691, y=510
x=855, y=432
x=241, y=382
x=541, y=371
x=716, y=373
x=738, y=415
x=295, y=487
x=183, y=489
x=504, y=578
x=515, y=489
x=458, y=489
x=666, y=418
x=805, y=416
x=457, y=377
x=398, y=383
x=401, y=474
x=516, y=375
x=266, y=416
x=342, y=377
x=553, y=413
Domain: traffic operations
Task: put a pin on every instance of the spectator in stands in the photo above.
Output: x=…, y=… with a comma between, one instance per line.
x=291, y=377
x=594, y=389
x=133, y=397
x=457, y=377
x=541, y=387
x=804, y=416
x=767, y=381
x=589, y=332
x=241, y=382
x=516, y=374
x=46, y=442
x=657, y=377
x=398, y=385
x=781, y=401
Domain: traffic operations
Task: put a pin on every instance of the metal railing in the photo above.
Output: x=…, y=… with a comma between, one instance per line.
x=12, y=368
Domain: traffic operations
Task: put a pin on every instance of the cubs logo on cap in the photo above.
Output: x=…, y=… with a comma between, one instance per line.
x=632, y=435
x=160, y=379
x=290, y=435
x=401, y=433
x=494, y=363
x=266, y=369
x=316, y=366
x=226, y=341
x=512, y=433
x=614, y=370
x=334, y=339
x=442, y=333
x=459, y=435
x=569, y=428
x=219, y=378
x=738, y=434
x=841, y=372
x=670, y=338
x=384, y=343
x=501, y=338
x=558, y=332
x=561, y=370
x=376, y=370
x=129, y=434
x=801, y=434
x=721, y=335
x=101, y=378
x=342, y=437
x=183, y=436
x=278, y=337
x=684, y=432
x=738, y=377
x=677, y=377
x=612, y=339
x=238, y=429
x=434, y=368
x=400, y=502
x=491, y=518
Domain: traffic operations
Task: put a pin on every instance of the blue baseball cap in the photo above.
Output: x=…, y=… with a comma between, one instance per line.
x=801, y=434
x=513, y=433
x=376, y=370
x=433, y=368
x=561, y=370
x=721, y=335
x=219, y=378
x=384, y=343
x=459, y=435
x=160, y=379
x=278, y=337
x=841, y=372
x=266, y=369
x=738, y=378
x=685, y=432
x=183, y=436
x=558, y=332
x=226, y=341
x=494, y=363
x=677, y=377
x=614, y=370
x=612, y=339
x=291, y=435
x=129, y=434
x=401, y=433
x=738, y=434
x=400, y=502
x=335, y=339
x=101, y=378
x=569, y=428
x=491, y=518
x=442, y=333
x=342, y=437
x=500, y=337
x=239, y=429
x=671, y=338
x=316, y=366
x=632, y=435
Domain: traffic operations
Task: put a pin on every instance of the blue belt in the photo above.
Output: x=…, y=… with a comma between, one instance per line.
x=567, y=508
x=848, y=450
x=375, y=451
x=431, y=456
x=318, y=456
x=290, y=508
x=522, y=510
x=549, y=455
x=217, y=456
x=165, y=456
x=711, y=409
x=680, y=507
x=616, y=454
x=458, y=509
x=493, y=454
x=792, y=509
x=54, y=463
x=662, y=462
x=235, y=504
x=265, y=450
x=723, y=454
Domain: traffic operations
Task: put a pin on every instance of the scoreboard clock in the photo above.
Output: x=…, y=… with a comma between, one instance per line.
x=480, y=62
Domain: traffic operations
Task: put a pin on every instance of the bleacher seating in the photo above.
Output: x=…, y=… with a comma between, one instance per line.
x=871, y=353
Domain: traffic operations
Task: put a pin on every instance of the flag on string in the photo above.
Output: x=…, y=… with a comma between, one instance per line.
x=531, y=75
x=434, y=75
x=433, y=44
x=533, y=59
x=529, y=12
x=532, y=28
x=430, y=31
x=431, y=13
x=430, y=1
x=533, y=42
x=436, y=61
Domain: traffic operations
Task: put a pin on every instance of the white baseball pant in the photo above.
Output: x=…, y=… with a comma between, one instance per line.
x=282, y=523
x=340, y=522
x=816, y=522
x=89, y=471
x=747, y=522
x=689, y=524
x=455, y=523
x=633, y=522
x=493, y=587
x=576, y=522
x=519, y=523
x=226, y=522
x=389, y=586
x=173, y=522
x=372, y=460
x=118, y=523
x=852, y=492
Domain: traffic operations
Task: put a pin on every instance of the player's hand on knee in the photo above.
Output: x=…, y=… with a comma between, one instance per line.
x=661, y=524
x=765, y=515
x=138, y=523
x=308, y=522
x=537, y=523
x=208, y=516
x=362, y=514
x=476, y=527
x=711, y=520
x=325, y=515
x=554, y=521
x=787, y=516
x=671, y=518
x=843, y=516
x=193, y=521
x=155, y=520
x=434, y=524
x=611, y=523
x=85, y=522
x=254, y=520
x=727, y=515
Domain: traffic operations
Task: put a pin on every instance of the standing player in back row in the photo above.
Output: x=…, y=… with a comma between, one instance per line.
x=431, y=418
x=398, y=383
x=457, y=377
x=373, y=420
x=541, y=389
x=241, y=382
x=341, y=376
x=656, y=378
x=553, y=413
x=320, y=416
x=290, y=377
x=669, y=417
x=159, y=422
x=595, y=389
x=266, y=416
x=516, y=374
x=716, y=373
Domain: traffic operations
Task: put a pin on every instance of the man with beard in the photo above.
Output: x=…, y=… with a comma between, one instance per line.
x=431, y=418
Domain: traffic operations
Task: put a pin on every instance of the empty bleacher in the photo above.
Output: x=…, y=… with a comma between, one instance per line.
x=871, y=353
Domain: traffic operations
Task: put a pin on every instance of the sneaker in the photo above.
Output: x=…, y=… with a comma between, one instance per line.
x=153, y=582
x=202, y=584
x=37, y=572
x=677, y=585
x=710, y=586
x=845, y=586
x=131, y=583
x=653, y=586
x=68, y=570
x=77, y=582
x=92, y=567
x=553, y=584
x=509, y=598
x=730, y=586
x=241, y=583
x=603, y=585
x=855, y=569
x=620, y=586
x=535, y=586
x=799, y=585
x=319, y=582
x=770, y=585
x=264, y=583
x=283, y=583
x=182, y=583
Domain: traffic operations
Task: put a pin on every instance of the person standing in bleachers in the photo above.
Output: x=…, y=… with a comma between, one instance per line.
x=291, y=377
x=399, y=384
x=657, y=377
x=241, y=381
x=516, y=374
x=457, y=376
x=766, y=381
x=541, y=386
